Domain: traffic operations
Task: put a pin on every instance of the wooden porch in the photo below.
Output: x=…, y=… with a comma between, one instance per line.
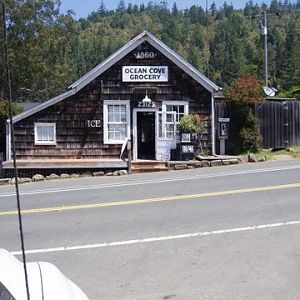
x=29, y=167
x=67, y=164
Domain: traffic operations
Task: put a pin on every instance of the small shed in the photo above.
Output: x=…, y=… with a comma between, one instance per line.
x=138, y=93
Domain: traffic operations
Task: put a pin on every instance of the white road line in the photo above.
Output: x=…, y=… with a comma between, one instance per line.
x=149, y=181
x=158, y=239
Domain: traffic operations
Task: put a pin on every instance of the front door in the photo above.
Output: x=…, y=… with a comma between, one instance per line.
x=166, y=134
x=145, y=126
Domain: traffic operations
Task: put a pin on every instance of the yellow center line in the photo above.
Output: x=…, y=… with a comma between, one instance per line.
x=150, y=200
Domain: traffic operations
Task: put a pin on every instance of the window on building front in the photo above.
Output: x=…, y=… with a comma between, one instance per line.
x=45, y=133
x=166, y=125
x=116, y=121
x=179, y=108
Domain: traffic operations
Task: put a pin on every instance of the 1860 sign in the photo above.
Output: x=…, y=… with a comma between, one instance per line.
x=144, y=55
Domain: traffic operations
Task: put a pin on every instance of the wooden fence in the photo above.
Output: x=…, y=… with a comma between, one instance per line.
x=279, y=122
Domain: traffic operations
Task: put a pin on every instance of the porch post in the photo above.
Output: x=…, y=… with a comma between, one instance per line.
x=213, y=137
x=129, y=156
x=8, y=141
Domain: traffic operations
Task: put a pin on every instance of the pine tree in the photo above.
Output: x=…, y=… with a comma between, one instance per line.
x=121, y=7
x=175, y=10
x=102, y=8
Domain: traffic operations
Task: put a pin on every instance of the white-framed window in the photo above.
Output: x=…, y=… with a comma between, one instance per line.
x=116, y=126
x=45, y=133
x=179, y=108
x=166, y=125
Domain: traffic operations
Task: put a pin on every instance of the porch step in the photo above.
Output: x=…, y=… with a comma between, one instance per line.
x=148, y=166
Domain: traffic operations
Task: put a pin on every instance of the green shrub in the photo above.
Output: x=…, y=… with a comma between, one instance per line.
x=243, y=94
x=191, y=123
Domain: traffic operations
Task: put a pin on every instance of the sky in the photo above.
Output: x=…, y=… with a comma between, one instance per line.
x=83, y=8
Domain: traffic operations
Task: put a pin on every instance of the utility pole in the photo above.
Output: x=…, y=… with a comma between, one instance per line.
x=269, y=91
x=264, y=31
x=207, y=38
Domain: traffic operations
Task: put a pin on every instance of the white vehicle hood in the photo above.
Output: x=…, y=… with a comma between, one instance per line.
x=46, y=282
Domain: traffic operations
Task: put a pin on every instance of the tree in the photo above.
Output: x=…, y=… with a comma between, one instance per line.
x=102, y=8
x=245, y=90
x=244, y=93
x=175, y=10
x=227, y=57
x=121, y=8
x=248, y=10
x=213, y=8
x=48, y=50
x=40, y=44
x=289, y=65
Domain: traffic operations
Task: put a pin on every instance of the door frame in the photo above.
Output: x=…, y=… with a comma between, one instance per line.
x=134, y=127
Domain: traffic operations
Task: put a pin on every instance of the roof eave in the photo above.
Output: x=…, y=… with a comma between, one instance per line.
x=42, y=106
x=183, y=64
x=131, y=45
x=109, y=62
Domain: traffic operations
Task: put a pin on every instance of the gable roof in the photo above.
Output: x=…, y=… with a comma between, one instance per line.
x=160, y=46
x=119, y=54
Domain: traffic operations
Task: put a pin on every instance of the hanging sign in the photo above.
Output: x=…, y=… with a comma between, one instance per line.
x=145, y=73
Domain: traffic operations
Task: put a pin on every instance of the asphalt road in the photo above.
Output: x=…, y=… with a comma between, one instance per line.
x=213, y=233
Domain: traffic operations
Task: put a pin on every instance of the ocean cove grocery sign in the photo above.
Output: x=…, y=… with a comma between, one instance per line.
x=145, y=73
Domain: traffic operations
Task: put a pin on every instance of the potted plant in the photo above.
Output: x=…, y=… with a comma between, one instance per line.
x=191, y=123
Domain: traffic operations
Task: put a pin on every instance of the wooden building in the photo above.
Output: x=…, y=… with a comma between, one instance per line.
x=138, y=93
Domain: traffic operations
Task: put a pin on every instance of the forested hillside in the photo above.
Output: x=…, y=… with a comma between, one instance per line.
x=49, y=50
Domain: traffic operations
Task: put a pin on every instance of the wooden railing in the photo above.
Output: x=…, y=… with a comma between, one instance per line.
x=127, y=146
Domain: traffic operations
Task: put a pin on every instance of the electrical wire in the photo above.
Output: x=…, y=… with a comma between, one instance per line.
x=13, y=147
